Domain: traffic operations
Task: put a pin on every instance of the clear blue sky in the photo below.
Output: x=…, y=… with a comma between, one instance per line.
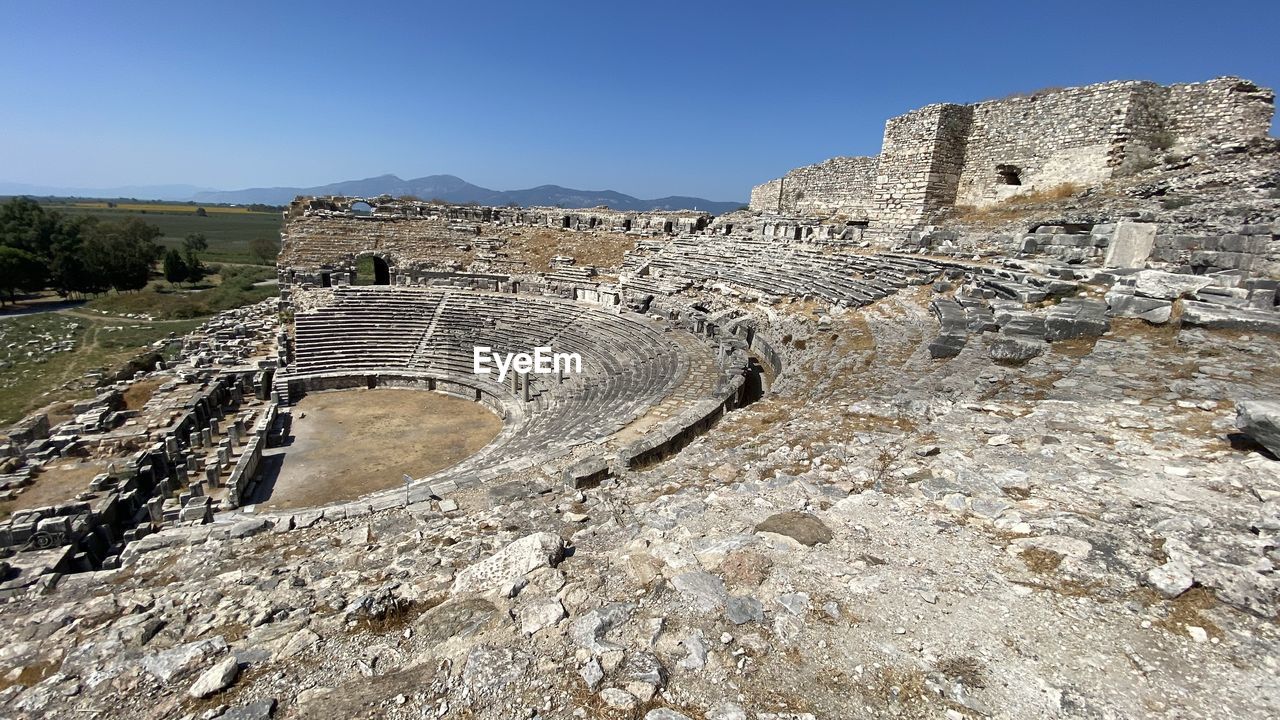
x=649, y=98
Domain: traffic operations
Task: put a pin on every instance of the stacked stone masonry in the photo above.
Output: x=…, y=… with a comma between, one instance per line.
x=946, y=155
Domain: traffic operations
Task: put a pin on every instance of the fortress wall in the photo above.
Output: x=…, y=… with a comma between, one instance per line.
x=1066, y=136
x=1223, y=109
x=944, y=155
x=329, y=241
x=840, y=184
x=766, y=197
x=920, y=164
x=325, y=233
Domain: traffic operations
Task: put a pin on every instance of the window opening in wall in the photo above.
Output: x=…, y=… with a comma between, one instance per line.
x=1008, y=175
x=361, y=208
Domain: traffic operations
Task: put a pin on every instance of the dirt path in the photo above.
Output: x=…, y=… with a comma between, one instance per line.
x=84, y=315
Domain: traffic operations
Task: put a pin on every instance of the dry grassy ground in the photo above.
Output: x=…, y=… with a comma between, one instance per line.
x=351, y=443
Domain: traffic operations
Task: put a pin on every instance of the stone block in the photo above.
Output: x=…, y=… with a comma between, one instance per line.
x=1131, y=245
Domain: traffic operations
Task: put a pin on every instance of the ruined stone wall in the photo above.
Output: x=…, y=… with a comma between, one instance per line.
x=838, y=185
x=920, y=164
x=326, y=234
x=766, y=197
x=1043, y=141
x=944, y=155
x=1226, y=109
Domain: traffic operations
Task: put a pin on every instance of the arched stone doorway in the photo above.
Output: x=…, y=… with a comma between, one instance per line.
x=372, y=270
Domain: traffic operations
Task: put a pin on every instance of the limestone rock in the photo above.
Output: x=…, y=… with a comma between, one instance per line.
x=177, y=661
x=618, y=698
x=802, y=527
x=1015, y=348
x=704, y=589
x=589, y=630
x=1220, y=317
x=539, y=613
x=664, y=714
x=1168, y=286
x=740, y=610
x=1170, y=580
x=513, y=562
x=256, y=710
x=1128, y=305
x=216, y=679
x=1260, y=420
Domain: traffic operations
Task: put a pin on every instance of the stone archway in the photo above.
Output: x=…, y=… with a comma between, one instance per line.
x=371, y=269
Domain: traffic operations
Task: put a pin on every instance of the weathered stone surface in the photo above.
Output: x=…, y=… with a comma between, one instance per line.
x=1131, y=245
x=589, y=630
x=664, y=714
x=177, y=661
x=1014, y=348
x=536, y=614
x=1168, y=286
x=1076, y=318
x=741, y=610
x=1170, y=580
x=1132, y=306
x=215, y=679
x=704, y=589
x=256, y=710
x=489, y=669
x=1219, y=317
x=802, y=527
x=946, y=346
x=1260, y=420
x=510, y=564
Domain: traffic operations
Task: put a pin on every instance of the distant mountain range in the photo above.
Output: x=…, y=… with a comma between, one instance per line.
x=140, y=192
x=432, y=187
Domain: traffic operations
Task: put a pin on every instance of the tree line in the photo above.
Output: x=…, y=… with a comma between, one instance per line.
x=82, y=255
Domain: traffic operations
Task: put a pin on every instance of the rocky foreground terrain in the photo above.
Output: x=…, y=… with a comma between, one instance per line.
x=1085, y=535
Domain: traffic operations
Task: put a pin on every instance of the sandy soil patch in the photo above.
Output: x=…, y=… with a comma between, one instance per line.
x=353, y=442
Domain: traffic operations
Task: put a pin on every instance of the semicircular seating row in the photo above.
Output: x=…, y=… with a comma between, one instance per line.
x=629, y=362
x=778, y=269
x=841, y=278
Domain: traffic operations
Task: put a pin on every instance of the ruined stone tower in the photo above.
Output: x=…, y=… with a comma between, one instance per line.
x=947, y=154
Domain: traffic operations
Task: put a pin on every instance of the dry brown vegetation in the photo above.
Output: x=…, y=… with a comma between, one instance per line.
x=537, y=247
x=1016, y=207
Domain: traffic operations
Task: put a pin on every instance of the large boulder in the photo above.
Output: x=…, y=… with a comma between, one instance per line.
x=1260, y=420
x=502, y=570
x=946, y=346
x=216, y=679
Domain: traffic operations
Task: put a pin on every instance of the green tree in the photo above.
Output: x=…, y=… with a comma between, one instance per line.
x=19, y=270
x=68, y=272
x=195, y=243
x=195, y=268
x=122, y=253
x=264, y=249
x=26, y=226
x=175, y=268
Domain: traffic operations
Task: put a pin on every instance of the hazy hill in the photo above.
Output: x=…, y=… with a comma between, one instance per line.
x=455, y=189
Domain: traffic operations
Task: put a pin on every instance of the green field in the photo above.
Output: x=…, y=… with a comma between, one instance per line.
x=229, y=230
x=49, y=357
x=233, y=287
